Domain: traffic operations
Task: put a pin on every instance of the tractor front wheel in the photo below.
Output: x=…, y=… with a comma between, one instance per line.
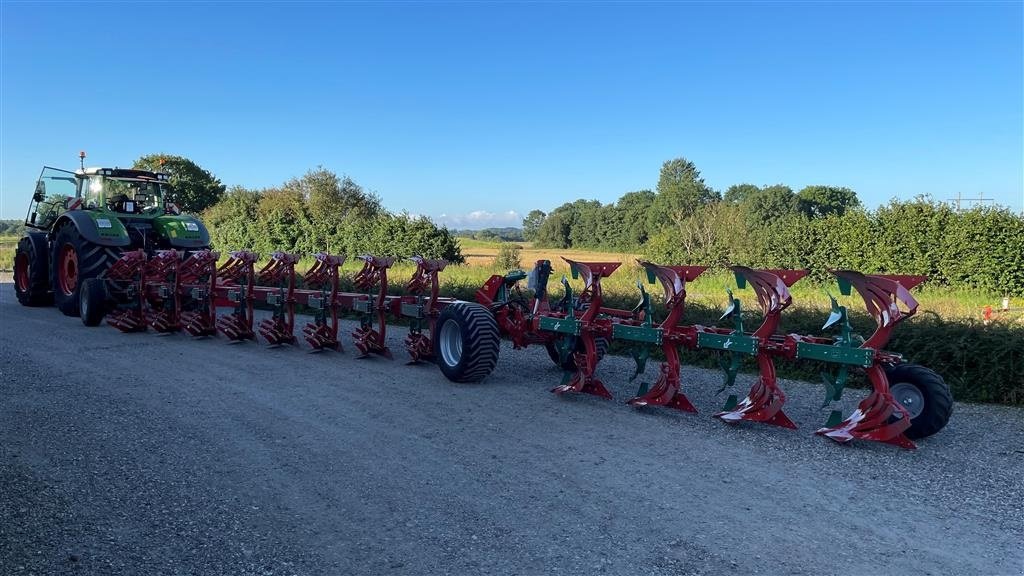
x=73, y=261
x=466, y=343
x=925, y=396
x=31, y=279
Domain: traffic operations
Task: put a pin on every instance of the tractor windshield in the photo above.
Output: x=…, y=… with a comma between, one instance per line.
x=131, y=195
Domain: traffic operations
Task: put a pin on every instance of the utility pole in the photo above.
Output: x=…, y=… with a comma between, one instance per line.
x=979, y=201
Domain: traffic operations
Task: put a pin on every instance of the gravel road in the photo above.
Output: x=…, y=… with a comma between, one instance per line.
x=145, y=454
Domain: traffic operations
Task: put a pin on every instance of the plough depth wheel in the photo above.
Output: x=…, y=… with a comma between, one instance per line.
x=466, y=343
x=924, y=394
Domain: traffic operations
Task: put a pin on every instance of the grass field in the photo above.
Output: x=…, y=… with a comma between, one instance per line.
x=7, y=246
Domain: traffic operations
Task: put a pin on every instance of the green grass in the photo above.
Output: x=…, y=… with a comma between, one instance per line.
x=7, y=246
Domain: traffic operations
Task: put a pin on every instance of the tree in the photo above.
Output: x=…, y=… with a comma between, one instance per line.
x=632, y=211
x=681, y=191
x=532, y=224
x=334, y=203
x=738, y=193
x=508, y=257
x=331, y=198
x=771, y=203
x=193, y=188
x=233, y=221
x=819, y=201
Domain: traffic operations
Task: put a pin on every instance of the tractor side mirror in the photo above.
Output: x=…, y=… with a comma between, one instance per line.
x=40, y=193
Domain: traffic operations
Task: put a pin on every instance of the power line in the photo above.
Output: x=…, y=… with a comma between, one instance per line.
x=979, y=201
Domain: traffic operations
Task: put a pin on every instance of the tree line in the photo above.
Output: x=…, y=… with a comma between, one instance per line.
x=12, y=227
x=319, y=211
x=820, y=228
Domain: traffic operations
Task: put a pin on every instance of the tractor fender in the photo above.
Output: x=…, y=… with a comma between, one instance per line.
x=38, y=240
x=96, y=227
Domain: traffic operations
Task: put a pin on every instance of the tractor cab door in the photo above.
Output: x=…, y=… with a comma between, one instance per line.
x=53, y=188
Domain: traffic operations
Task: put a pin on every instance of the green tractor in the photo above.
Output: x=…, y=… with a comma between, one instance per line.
x=81, y=222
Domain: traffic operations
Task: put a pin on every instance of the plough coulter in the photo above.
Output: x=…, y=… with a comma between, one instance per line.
x=112, y=248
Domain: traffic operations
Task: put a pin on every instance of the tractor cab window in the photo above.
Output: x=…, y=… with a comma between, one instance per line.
x=127, y=195
x=53, y=189
x=92, y=192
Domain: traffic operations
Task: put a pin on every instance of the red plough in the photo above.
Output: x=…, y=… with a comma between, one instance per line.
x=765, y=399
x=592, y=322
x=173, y=291
x=669, y=334
x=322, y=332
x=879, y=417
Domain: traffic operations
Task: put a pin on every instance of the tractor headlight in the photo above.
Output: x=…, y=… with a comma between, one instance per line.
x=191, y=226
x=103, y=223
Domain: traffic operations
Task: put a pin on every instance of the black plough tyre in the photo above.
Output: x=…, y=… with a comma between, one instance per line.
x=924, y=394
x=570, y=363
x=93, y=299
x=74, y=260
x=467, y=341
x=32, y=271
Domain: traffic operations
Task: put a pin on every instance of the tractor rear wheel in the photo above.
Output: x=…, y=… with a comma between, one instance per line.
x=570, y=363
x=31, y=275
x=466, y=343
x=73, y=261
x=924, y=394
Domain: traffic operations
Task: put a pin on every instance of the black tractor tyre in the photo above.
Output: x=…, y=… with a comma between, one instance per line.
x=467, y=341
x=570, y=363
x=73, y=260
x=93, y=298
x=924, y=394
x=32, y=271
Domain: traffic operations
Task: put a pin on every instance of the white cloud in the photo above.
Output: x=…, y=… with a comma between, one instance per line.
x=481, y=219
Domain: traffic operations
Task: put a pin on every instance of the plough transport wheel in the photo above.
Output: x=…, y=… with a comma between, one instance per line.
x=467, y=341
x=925, y=396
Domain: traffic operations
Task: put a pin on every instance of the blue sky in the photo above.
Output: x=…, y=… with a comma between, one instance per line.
x=483, y=111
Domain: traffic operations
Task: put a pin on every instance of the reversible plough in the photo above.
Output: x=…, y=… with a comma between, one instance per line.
x=188, y=291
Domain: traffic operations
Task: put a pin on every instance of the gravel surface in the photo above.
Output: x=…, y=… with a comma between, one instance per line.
x=145, y=454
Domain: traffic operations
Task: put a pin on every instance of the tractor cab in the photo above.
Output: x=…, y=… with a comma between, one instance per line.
x=129, y=192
